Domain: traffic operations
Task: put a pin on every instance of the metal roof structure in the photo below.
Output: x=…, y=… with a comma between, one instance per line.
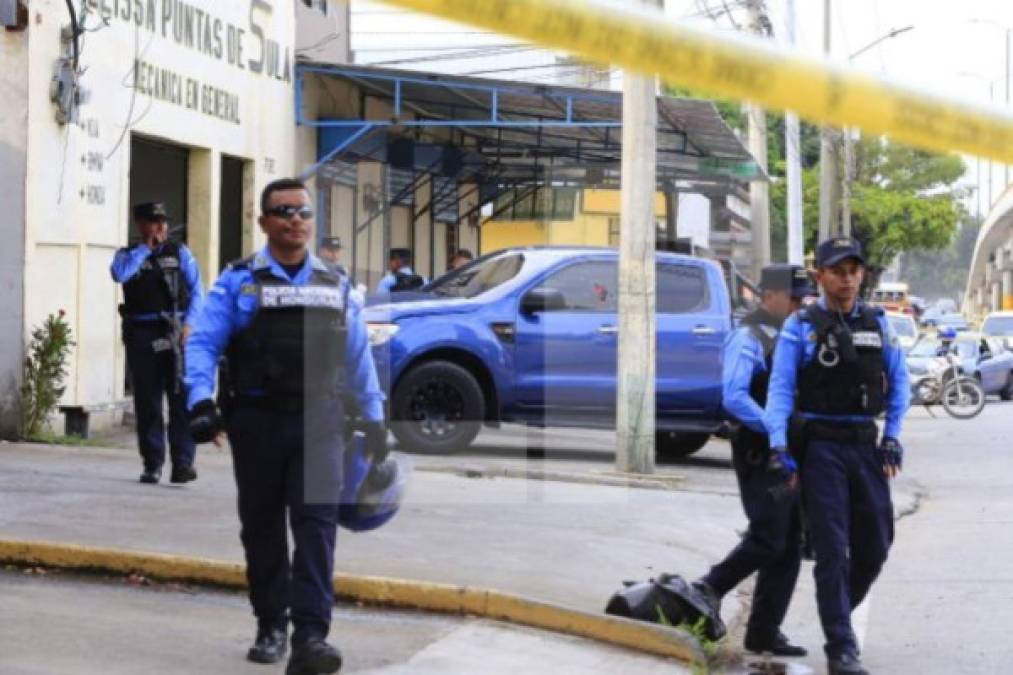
x=508, y=133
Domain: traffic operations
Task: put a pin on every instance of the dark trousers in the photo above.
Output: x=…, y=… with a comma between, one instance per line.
x=285, y=465
x=847, y=500
x=770, y=547
x=153, y=376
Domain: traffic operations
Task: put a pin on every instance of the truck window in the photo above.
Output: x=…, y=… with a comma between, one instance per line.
x=587, y=286
x=682, y=289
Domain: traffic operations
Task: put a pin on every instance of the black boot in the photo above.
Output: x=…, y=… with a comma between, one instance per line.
x=778, y=646
x=151, y=476
x=314, y=657
x=270, y=646
x=183, y=474
x=847, y=663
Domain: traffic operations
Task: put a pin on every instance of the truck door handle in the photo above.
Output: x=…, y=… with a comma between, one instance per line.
x=608, y=330
x=702, y=331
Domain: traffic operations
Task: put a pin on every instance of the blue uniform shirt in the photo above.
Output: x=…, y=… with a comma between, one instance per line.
x=796, y=347
x=227, y=311
x=127, y=263
x=743, y=360
x=388, y=280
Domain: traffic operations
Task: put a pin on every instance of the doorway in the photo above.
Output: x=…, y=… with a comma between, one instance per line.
x=230, y=212
x=158, y=173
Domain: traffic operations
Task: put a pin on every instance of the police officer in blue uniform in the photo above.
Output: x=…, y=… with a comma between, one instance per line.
x=771, y=545
x=298, y=355
x=839, y=364
x=329, y=251
x=400, y=276
x=162, y=295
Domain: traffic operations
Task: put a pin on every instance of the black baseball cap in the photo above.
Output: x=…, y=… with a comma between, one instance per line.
x=331, y=242
x=792, y=279
x=833, y=251
x=404, y=254
x=150, y=212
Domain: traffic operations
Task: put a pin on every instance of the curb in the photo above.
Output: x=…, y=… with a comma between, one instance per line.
x=638, y=636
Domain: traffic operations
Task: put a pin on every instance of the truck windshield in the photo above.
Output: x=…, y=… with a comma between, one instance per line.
x=478, y=277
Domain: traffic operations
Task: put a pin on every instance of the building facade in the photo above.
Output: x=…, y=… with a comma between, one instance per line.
x=990, y=278
x=116, y=103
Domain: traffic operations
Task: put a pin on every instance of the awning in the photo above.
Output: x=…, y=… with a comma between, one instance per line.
x=507, y=132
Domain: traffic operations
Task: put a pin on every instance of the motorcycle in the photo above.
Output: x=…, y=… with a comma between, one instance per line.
x=961, y=396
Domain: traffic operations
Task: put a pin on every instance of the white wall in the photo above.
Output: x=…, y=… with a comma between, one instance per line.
x=13, y=165
x=694, y=219
x=78, y=175
x=320, y=36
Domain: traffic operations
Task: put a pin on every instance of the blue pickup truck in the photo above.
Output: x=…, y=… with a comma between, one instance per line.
x=529, y=335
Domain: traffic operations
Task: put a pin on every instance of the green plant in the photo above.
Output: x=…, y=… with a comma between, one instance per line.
x=45, y=369
x=698, y=629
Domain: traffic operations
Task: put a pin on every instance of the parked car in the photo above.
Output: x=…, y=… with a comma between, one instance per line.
x=999, y=325
x=529, y=335
x=905, y=328
x=955, y=321
x=987, y=359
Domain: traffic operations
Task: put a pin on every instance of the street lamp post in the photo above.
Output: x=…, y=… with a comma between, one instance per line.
x=991, y=98
x=849, y=143
x=1009, y=45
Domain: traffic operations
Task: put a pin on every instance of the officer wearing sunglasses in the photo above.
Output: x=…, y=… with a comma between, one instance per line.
x=297, y=351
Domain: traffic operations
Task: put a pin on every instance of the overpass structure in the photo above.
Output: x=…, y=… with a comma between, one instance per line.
x=990, y=278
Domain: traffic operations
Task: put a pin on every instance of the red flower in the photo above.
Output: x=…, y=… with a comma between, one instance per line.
x=62, y=313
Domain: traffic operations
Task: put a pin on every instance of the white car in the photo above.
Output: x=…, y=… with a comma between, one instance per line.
x=999, y=325
x=905, y=327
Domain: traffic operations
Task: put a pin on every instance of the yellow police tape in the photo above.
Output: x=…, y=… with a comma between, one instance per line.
x=739, y=67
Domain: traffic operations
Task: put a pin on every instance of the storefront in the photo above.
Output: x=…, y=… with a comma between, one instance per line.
x=189, y=103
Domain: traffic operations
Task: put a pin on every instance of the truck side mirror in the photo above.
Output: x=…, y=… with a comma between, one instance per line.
x=542, y=300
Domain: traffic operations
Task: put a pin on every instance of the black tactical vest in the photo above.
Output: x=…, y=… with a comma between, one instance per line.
x=846, y=377
x=151, y=290
x=293, y=351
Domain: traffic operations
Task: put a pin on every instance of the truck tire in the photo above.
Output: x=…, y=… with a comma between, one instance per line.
x=673, y=445
x=437, y=408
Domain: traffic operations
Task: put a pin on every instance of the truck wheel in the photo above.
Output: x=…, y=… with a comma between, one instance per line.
x=673, y=445
x=437, y=408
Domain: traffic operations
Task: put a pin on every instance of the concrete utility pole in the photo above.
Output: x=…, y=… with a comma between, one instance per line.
x=759, y=190
x=635, y=399
x=829, y=182
x=793, y=155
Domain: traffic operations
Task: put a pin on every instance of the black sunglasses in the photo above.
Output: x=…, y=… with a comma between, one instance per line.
x=289, y=211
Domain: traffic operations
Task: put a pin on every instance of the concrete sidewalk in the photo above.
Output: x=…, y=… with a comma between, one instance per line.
x=567, y=543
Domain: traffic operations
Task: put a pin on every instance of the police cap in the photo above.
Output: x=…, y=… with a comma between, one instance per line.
x=791, y=279
x=150, y=212
x=403, y=254
x=331, y=242
x=833, y=251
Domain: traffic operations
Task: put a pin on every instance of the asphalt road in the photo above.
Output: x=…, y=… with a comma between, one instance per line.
x=60, y=624
x=944, y=602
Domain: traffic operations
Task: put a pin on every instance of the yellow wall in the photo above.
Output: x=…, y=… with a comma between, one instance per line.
x=585, y=230
x=608, y=202
x=590, y=227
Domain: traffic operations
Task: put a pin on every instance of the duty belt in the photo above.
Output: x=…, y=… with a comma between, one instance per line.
x=857, y=433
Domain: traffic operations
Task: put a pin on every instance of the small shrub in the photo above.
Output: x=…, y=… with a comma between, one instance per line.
x=44, y=372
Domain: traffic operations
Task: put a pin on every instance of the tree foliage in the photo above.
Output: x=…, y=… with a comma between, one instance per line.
x=903, y=199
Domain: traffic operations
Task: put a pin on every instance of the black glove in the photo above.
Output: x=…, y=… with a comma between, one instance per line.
x=783, y=465
x=205, y=421
x=376, y=441
x=893, y=452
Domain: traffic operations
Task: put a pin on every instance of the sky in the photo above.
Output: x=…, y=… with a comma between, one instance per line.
x=956, y=47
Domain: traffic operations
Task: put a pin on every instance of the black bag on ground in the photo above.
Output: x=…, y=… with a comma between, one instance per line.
x=668, y=596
